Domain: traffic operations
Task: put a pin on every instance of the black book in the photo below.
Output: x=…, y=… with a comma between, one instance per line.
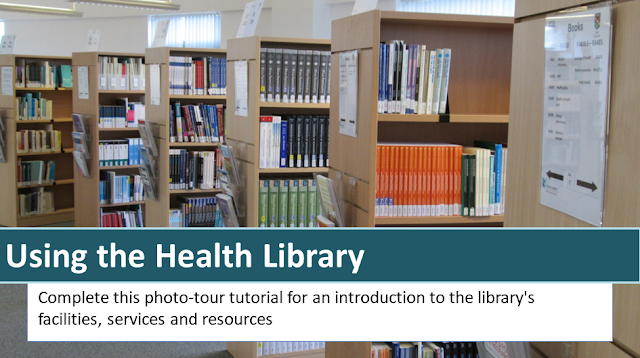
x=455, y=350
x=263, y=75
x=464, y=350
x=325, y=57
x=286, y=73
x=277, y=92
x=315, y=76
x=293, y=76
x=328, y=85
x=307, y=141
x=271, y=69
x=321, y=140
x=299, y=141
x=314, y=142
x=300, y=76
x=292, y=141
x=326, y=143
x=448, y=350
x=308, y=68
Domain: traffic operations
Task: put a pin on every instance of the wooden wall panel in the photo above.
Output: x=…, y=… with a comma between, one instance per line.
x=626, y=317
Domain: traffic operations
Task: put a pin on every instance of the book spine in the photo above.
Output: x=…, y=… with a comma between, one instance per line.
x=291, y=141
x=284, y=140
x=271, y=69
x=308, y=81
x=431, y=82
x=286, y=70
x=292, y=211
x=444, y=90
x=302, y=202
x=324, y=61
x=390, y=80
x=299, y=141
x=321, y=140
x=301, y=76
x=438, y=80
x=314, y=142
x=311, y=204
x=283, y=203
x=380, y=76
x=421, y=107
x=307, y=141
x=492, y=185
x=277, y=96
x=293, y=76
x=263, y=75
x=315, y=76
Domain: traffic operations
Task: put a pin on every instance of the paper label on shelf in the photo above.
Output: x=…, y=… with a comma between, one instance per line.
x=497, y=349
x=576, y=113
x=103, y=82
x=114, y=82
x=7, y=44
x=83, y=82
x=162, y=29
x=348, y=105
x=93, y=39
x=363, y=6
x=7, y=80
x=250, y=18
x=136, y=83
x=155, y=84
x=123, y=83
x=241, y=87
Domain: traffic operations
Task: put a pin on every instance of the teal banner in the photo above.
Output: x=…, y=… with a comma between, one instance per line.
x=418, y=255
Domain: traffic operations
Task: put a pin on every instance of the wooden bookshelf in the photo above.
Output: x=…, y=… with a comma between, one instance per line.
x=250, y=350
x=158, y=210
x=88, y=189
x=62, y=106
x=478, y=101
x=243, y=132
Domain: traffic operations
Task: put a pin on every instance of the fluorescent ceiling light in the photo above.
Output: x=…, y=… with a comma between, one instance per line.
x=142, y=4
x=40, y=10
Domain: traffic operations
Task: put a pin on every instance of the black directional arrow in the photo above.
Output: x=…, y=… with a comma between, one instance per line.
x=553, y=175
x=591, y=185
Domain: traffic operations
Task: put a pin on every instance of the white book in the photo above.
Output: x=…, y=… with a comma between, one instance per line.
x=306, y=346
x=492, y=186
x=263, y=142
x=272, y=347
x=444, y=89
x=487, y=178
x=289, y=347
x=390, y=108
x=423, y=63
x=403, y=91
x=437, y=83
x=430, y=82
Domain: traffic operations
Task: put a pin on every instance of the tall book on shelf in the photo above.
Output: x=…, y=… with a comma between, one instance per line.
x=36, y=176
x=115, y=95
x=270, y=77
x=192, y=81
x=476, y=107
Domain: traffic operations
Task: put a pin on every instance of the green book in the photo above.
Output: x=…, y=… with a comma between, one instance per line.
x=283, y=203
x=311, y=206
x=318, y=206
x=263, y=201
x=66, y=76
x=302, y=203
x=292, y=217
x=272, y=217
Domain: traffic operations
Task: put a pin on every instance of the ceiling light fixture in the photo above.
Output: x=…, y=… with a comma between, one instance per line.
x=40, y=10
x=141, y=4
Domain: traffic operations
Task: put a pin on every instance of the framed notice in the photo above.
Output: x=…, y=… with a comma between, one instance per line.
x=576, y=112
x=348, y=107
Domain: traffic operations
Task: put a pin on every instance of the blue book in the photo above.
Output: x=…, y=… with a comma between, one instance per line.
x=497, y=148
x=380, y=70
x=284, y=140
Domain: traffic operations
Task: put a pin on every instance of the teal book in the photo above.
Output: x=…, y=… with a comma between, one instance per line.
x=65, y=71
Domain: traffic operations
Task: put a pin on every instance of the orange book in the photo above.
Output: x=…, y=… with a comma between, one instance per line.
x=412, y=181
x=402, y=183
x=458, y=182
x=449, y=178
x=387, y=181
x=430, y=181
x=393, y=180
x=425, y=183
x=419, y=175
x=378, y=181
x=441, y=181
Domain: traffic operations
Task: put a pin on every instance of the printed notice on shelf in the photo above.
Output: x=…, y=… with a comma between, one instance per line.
x=83, y=82
x=7, y=44
x=241, y=83
x=154, y=76
x=93, y=39
x=162, y=28
x=576, y=111
x=348, y=93
x=250, y=18
x=7, y=80
x=363, y=6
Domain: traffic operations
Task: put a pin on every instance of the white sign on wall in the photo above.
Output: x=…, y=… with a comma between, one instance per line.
x=162, y=29
x=250, y=18
x=7, y=44
x=576, y=112
x=363, y=6
x=93, y=39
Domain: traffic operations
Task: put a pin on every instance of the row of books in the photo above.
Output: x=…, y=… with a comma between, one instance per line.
x=120, y=189
x=198, y=76
x=36, y=172
x=288, y=203
x=33, y=107
x=424, y=350
x=196, y=212
x=295, y=76
x=42, y=74
x=271, y=348
x=200, y=123
x=126, y=218
x=124, y=114
x=440, y=180
x=297, y=141
x=114, y=153
x=39, y=141
x=412, y=79
x=37, y=202
x=117, y=73
x=193, y=170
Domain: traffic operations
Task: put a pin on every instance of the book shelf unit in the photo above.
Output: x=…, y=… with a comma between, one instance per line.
x=158, y=116
x=250, y=350
x=479, y=86
x=243, y=132
x=88, y=205
x=62, y=187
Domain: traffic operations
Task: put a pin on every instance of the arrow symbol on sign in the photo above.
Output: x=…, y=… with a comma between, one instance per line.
x=591, y=185
x=553, y=175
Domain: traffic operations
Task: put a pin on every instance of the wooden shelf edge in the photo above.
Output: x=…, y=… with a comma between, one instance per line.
x=122, y=91
x=126, y=129
x=420, y=118
x=439, y=220
x=319, y=352
x=44, y=89
x=210, y=97
x=192, y=144
x=479, y=118
x=293, y=170
x=120, y=167
x=435, y=118
x=55, y=120
x=294, y=105
x=58, y=216
x=64, y=151
x=122, y=204
x=195, y=191
x=57, y=182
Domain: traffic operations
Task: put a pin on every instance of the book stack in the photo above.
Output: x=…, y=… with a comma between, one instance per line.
x=412, y=79
x=36, y=172
x=32, y=107
x=194, y=170
x=196, y=212
x=420, y=180
x=200, y=123
x=197, y=76
x=272, y=348
x=37, y=202
x=128, y=218
x=297, y=141
x=39, y=141
x=41, y=74
x=121, y=152
x=124, y=114
x=424, y=350
x=120, y=189
x=288, y=203
x=124, y=74
x=295, y=76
